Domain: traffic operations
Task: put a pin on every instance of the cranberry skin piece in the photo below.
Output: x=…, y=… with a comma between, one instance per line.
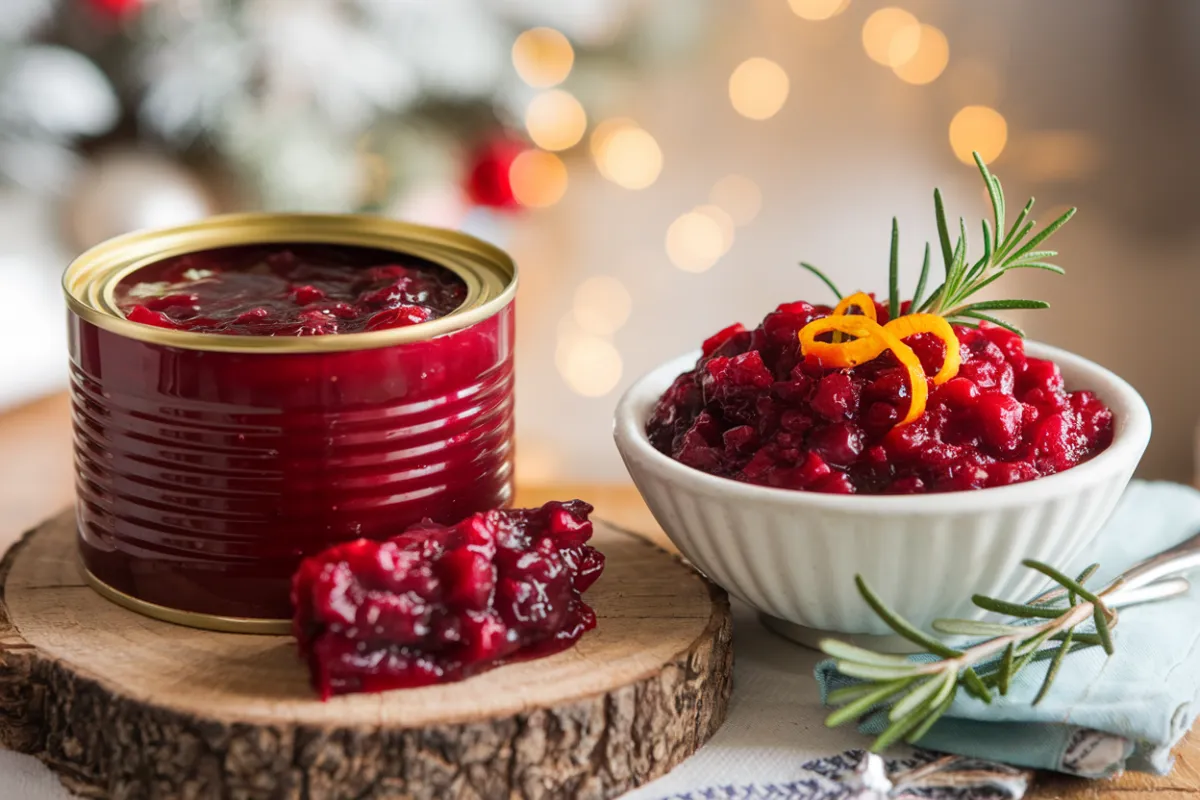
x=187, y=303
x=880, y=418
x=437, y=604
x=147, y=317
x=839, y=444
x=1012, y=345
x=837, y=483
x=1043, y=375
x=254, y=316
x=721, y=337
x=306, y=295
x=400, y=317
x=910, y=484
x=836, y=397
x=956, y=393
x=929, y=349
x=1000, y=417
x=741, y=440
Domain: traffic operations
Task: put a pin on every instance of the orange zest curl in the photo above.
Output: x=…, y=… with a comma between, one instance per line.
x=872, y=339
x=860, y=300
x=912, y=324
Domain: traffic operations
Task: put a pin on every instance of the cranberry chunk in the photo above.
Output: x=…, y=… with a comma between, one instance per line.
x=438, y=603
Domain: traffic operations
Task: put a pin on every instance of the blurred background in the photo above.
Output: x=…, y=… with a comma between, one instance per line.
x=656, y=167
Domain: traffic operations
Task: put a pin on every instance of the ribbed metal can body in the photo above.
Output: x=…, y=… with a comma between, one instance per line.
x=204, y=474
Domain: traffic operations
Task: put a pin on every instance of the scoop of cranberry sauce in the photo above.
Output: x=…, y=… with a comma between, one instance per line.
x=755, y=410
x=438, y=604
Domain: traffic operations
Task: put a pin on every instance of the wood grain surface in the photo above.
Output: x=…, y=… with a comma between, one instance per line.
x=35, y=481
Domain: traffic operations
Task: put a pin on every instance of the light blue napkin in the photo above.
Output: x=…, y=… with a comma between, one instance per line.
x=1103, y=714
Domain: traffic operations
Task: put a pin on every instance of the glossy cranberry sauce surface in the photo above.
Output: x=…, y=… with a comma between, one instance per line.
x=289, y=290
x=755, y=410
x=438, y=604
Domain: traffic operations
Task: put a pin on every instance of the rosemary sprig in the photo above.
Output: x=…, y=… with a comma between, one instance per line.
x=1003, y=250
x=916, y=693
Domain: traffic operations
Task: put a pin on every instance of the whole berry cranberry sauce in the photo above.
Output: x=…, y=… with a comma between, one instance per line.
x=290, y=290
x=440, y=603
x=755, y=410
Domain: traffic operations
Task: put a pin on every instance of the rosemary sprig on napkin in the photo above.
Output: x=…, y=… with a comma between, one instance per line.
x=916, y=694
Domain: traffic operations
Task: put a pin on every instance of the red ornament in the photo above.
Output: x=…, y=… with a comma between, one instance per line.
x=488, y=181
x=115, y=8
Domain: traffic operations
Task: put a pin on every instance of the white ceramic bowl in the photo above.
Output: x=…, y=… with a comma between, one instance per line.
x=793, y=555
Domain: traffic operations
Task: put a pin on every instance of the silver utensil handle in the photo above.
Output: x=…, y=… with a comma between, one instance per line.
x=1180, y=559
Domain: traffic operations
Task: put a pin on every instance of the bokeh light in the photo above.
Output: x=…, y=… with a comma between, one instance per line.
x=626, y=154
x=929, y=60
x=543, y=57
x=739, y=196
x=817, y=10
x=555, y=120
x=724, y=222
x=538, y=178
x=602, y=305
x=891, y=36
x=758, y=88
x=978, y=128
x=590, y=365
x=695, y=242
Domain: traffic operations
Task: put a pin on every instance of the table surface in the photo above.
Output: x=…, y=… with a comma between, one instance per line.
x=35, y=482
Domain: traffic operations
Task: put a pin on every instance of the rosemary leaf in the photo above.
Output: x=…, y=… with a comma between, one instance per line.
x=1102, y=630
x=1087, y=573
x=1069, y=584
x=899, y=729
x=900, y=625
x=1052, y=673
x=1004, y=675
x=1016, y=609
x=894, y=273
x=1081, y=640
x=824, y=278
x=939, y=211
x=921, y=692
x=843, y=651
x=1038, y=265
x=1020, y=235
x=994, y=321
x=872, y=672
x=975, y=685
x=939, y=709
x=865, y=703
x=920, y=290
x=1042, y=236
x=993, y=190
x=1012, y=237
x=848, y=694
x=1039, y=255
x=971, y=627
x=1001, y=305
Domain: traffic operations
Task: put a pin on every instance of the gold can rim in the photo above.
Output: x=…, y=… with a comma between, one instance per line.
x=190, y=619
x=90, y=280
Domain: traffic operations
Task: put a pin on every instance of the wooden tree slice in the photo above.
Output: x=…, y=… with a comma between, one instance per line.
x=127, y=707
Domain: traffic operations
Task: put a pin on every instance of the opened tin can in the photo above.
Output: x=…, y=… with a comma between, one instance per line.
x=208, y=465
